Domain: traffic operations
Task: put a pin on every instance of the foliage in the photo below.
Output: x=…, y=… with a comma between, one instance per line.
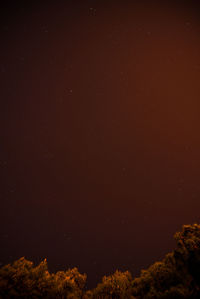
x=22, y=280
x=116, y=286
x=177, y=276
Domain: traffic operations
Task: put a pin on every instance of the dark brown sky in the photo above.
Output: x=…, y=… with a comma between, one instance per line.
x=99, y=123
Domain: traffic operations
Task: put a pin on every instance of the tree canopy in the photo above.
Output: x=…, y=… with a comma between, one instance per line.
x=177, y=276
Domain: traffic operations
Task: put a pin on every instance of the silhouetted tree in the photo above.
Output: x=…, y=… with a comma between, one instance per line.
x=177, y=276
x=115, y=286
x=22, y=280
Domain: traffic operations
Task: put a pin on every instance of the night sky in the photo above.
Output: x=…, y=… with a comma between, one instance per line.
x=99, y=132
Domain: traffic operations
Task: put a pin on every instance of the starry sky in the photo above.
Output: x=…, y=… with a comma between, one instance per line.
x=99, y=128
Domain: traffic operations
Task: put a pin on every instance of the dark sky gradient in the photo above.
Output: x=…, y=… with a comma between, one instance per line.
x=99, y=124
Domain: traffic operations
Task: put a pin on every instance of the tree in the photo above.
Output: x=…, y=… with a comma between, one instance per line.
x=23, y=280
x=117, y=285
x=178, y=275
